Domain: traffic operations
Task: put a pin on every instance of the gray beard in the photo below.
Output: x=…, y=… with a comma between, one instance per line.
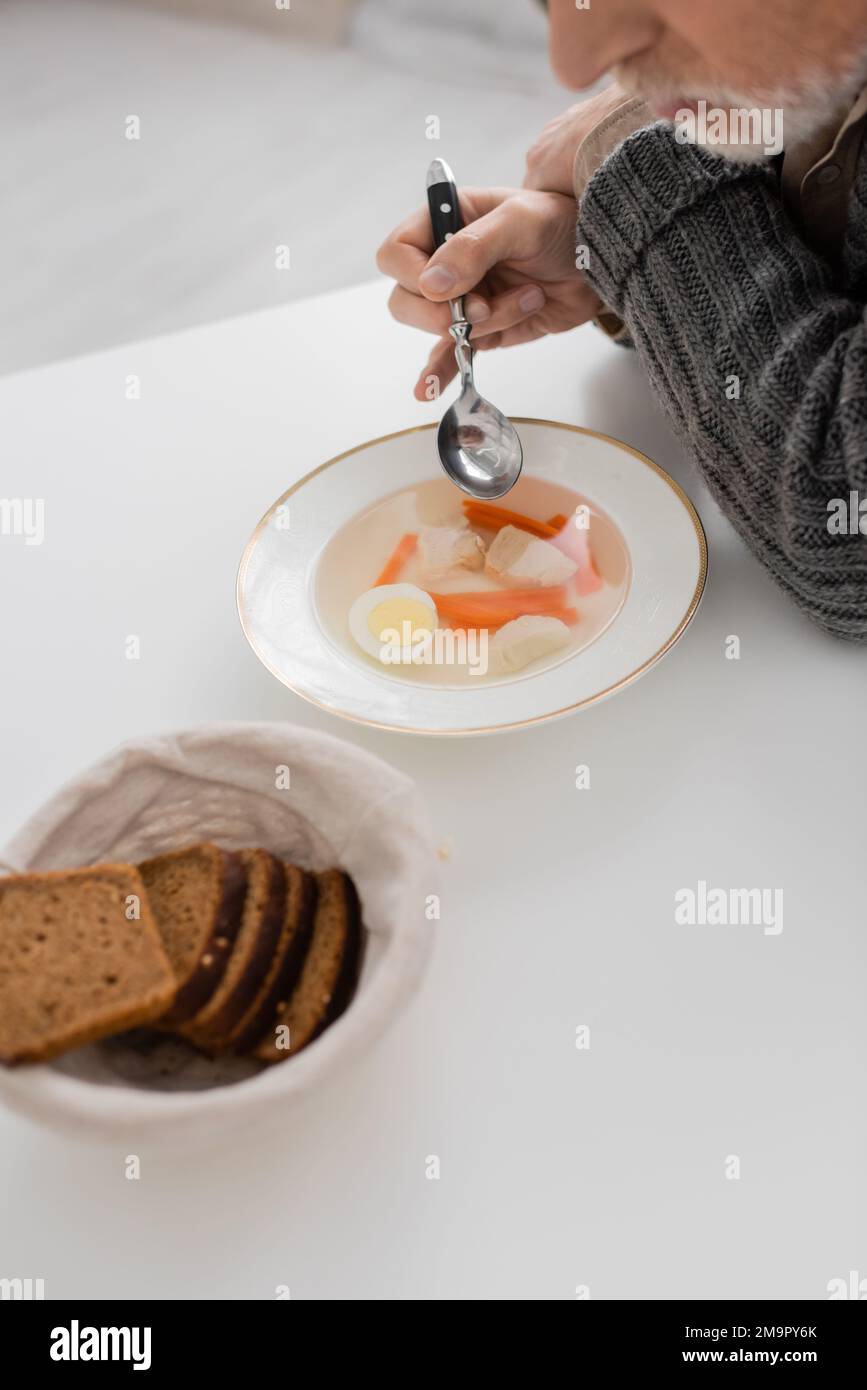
x=801, y=114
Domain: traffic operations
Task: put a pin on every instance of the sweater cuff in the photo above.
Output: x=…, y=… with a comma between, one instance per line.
x=639, y=191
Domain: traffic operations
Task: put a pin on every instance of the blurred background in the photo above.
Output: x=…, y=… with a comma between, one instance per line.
x=304, y=126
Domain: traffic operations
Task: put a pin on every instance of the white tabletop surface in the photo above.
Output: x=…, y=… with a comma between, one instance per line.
x=559, y=1167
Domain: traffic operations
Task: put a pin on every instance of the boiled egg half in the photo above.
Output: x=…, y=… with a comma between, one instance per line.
x=390, y=620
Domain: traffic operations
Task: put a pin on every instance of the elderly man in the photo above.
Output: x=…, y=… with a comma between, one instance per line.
x=721, y=191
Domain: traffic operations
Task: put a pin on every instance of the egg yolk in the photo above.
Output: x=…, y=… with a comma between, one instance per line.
x=394, y=612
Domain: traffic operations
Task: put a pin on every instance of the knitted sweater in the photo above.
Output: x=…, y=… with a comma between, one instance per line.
x=756, y=348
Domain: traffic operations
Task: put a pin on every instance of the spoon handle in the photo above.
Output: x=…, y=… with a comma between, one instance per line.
x=442, y=200
x=445, y=219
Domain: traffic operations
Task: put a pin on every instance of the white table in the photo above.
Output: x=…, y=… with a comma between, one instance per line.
x=559, y=1166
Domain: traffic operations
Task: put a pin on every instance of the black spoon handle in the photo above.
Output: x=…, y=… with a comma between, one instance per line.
x=442, y=201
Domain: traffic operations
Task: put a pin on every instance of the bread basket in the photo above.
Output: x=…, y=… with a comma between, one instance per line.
x=308, y=797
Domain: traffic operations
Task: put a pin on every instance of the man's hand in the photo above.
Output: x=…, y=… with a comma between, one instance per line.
x=551, y=159
x=514, y=261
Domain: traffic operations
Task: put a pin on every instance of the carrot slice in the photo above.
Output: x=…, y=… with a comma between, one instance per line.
x=523, y=600
x=462, y=615
x=490, y=520
x=397, y=559
x=493, y=518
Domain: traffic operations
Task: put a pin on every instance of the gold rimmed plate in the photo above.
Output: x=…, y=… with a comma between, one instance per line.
x=324, y=541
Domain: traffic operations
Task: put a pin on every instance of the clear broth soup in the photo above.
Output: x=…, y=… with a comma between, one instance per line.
x=353, y=558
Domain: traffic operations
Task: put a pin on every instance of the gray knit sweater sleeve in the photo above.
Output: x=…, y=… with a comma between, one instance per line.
x=757, y=353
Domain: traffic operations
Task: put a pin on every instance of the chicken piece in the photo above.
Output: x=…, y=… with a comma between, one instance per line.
x=518, y=559
x=526, y=639
x=445, y=549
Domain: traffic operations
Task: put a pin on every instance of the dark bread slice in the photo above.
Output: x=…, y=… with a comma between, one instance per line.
x=73, y=966
x=288, y=960
x=329, y=975
x=251, y=955
x=196, y=895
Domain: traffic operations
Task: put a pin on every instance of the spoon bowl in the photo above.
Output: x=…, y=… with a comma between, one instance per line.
x=478, y=446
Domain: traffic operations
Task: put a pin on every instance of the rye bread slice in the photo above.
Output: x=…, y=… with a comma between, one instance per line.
x=251, y=956
x=329, y=974
x=288, y=960
x=196, y=895
x=74, y=966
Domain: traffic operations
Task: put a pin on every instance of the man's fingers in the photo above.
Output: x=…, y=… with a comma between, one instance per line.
x=406, y=251
x=433, y=318
x=506, y=228
x=507, y=309
x=486, y=315
x=509, y=232
x=525, y=332
x=438, y=372
x=513, y=319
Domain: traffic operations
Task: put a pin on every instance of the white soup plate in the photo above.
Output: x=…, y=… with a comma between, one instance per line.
x=280, y=585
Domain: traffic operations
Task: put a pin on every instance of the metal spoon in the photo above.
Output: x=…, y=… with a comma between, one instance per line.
x=478, y=446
